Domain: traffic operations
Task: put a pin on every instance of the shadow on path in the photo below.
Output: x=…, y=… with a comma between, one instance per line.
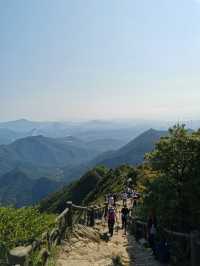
x=140, y=255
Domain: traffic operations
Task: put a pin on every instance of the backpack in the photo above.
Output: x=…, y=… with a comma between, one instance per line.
x=124, y=214
x=111, y=215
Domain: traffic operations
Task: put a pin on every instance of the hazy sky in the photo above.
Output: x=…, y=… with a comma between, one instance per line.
x=62, y=59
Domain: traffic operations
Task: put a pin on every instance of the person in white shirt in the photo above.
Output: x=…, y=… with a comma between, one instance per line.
x=124, y=198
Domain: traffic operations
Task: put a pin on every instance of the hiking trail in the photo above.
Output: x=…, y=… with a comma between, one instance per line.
x=86, y=248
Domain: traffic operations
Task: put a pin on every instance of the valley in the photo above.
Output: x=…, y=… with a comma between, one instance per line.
x=49, y=163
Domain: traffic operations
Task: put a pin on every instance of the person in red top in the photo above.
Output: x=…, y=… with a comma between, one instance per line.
x=111, y=220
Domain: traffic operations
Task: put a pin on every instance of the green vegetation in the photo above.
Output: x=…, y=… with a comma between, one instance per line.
x=113, y=181
x=168, y=179
x=22, y=226
x=18, y=190
x=171, y=179
x=33, y=167
x=76, y=192
x=90, y=188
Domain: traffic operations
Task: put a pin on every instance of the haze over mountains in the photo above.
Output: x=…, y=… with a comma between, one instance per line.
x=47, y=155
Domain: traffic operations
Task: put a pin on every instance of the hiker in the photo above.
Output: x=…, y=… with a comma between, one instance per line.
x=151, y=230
x=111, y=220
x=124, y=216
x=115, y=199
x=111, y=200
x=130, y=182
x=129, y=192
x=124, y=198
x=132, y=198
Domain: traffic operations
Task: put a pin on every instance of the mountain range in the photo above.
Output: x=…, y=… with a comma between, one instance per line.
x=42, y=152
x=61, y=160
x=133, y=152
x=19, y=190
x=87, y=131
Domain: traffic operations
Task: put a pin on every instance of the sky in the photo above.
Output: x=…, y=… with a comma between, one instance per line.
x=102, y=59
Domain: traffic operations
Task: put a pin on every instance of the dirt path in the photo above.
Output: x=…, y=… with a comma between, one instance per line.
x=86, y=248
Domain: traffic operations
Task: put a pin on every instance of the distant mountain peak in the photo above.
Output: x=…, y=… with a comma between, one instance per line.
x=23, y=120
x=151, y=130
x=133, y=152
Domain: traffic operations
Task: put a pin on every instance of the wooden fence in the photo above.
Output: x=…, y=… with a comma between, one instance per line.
x=192, y=239
x=64, y=223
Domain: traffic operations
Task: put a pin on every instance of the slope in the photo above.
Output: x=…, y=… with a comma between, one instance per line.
x=132, y=153
x=18, y=190
x=76, y=192
x=41, y=151
x=91, y=187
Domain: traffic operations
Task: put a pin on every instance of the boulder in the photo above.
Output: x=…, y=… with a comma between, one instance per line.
x=19, y=255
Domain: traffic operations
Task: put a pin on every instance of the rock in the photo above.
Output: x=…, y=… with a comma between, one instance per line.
x=73, y=240
x=19, y=255
x=78, y=245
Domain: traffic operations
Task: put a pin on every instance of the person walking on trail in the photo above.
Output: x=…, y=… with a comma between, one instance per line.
x=115, y=199
x=132, y=198
x=111, y=200
x=124, y=198
x=130, y=182
x=129, y=191
x=111, y=220
x=135, y=196
x=124, y=216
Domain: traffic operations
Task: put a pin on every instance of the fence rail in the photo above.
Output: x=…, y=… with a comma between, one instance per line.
x=64, y=222
x=193, y=239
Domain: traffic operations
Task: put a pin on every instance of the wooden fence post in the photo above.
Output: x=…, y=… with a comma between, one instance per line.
x=92, y=218
x=69, y=216
x=193, y=250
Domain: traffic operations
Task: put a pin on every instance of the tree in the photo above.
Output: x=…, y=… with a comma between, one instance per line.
x=175, y=192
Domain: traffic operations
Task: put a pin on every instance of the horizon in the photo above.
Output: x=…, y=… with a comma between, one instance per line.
x=106, y=120
x=64, y=61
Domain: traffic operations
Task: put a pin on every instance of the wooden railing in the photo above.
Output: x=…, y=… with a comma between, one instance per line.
x=63, y=228
x=193, y=239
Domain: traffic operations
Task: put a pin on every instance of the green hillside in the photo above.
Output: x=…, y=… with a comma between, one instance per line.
x=20, y=227
x=90, y=188
x=18, y=190
x=76, y=192
x=42, y=152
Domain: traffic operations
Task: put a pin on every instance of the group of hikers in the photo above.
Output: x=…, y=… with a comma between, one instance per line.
x=111, y=211
x=129, y=198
